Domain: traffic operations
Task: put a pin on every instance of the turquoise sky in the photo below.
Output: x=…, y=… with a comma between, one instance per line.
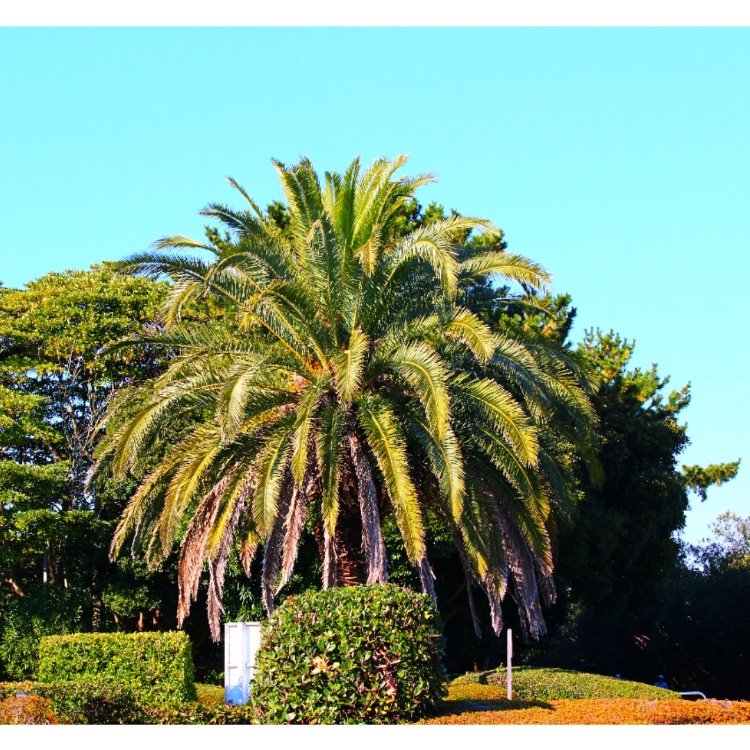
x=619, y=158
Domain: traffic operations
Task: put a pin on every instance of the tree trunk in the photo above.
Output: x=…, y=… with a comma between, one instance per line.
x=96, y=603
x=351, y=563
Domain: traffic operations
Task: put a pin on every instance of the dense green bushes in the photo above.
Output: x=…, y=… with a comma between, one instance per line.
x=530, y=683
x=157, y=668
x=369, y=654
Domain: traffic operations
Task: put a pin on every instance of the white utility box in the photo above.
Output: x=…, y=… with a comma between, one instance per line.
x=241, y=641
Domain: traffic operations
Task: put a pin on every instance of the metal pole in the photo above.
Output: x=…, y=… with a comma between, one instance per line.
x=509, y=678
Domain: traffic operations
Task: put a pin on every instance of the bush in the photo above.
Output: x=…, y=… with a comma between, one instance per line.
x=198, y=713
x=532, y=683
x=28, y=709
x=88, y=701
x=361, y=654
x=156, y=668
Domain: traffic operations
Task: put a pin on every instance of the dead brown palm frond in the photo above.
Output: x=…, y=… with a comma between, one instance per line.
x=373, y=546
x=427, y=578
x=272, y=549
x=192, y=552
x=217, y=568
x=495, y=587
x=330, y=566
x=546, y=582
x=521, y=567
x=293, y=524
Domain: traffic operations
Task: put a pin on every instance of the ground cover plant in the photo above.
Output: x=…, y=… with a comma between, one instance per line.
x=547, y=697
x=596, y=711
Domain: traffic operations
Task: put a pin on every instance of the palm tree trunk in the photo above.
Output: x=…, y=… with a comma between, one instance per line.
x=350, y=560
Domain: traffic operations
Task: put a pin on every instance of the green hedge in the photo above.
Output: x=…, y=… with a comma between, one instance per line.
x=535, y=683
x=157, y=668
x=90, y=701
x=361, y=654
x=86, y=701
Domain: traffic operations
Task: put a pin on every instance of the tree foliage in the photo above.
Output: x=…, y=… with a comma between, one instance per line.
x=55, y=383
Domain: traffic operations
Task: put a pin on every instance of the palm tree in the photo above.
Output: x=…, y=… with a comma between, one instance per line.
x=345, y=381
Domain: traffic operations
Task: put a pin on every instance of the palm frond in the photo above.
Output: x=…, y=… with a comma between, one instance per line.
x=508, y=265
x=270, y=467
x=328, y=442
x=384, y=438
x=349, y=365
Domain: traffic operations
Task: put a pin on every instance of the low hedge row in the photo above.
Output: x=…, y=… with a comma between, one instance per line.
x=91, y=701
x=85, y=701
x=157, y=668
x=539, y=683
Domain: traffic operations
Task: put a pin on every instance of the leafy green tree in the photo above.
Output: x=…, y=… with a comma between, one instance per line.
x=620, y=551
x=729, y=548
x=622, y=545
x=55, y=383
x=346, y=383
x=700, y=478
x=704, y=624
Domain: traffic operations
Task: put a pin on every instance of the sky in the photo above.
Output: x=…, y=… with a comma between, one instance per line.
x=619, y=158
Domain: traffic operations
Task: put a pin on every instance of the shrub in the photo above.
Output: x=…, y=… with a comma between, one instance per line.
x=199, y=713
x=533, y=683
x=360, y=654
x=156, y=668
x=97, y=702
x=86, y=701
x=92, y=701
x=29, y=709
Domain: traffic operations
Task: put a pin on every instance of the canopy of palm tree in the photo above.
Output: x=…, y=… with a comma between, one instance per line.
x=344, y=379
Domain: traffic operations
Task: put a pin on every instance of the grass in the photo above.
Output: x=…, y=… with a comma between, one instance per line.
x=210, y=695
x=557, y=696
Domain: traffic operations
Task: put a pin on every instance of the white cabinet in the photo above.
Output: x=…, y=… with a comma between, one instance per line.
x=241, y=641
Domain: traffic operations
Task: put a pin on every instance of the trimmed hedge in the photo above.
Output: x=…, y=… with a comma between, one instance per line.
x=156, y=668
x=86, y=701
x=360, y=654
x=95, y=702
x=535, y=683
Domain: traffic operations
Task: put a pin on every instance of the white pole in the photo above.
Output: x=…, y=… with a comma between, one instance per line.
x=509, y=679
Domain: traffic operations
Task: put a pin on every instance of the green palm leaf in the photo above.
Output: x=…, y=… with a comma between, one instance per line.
x=387, y=445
